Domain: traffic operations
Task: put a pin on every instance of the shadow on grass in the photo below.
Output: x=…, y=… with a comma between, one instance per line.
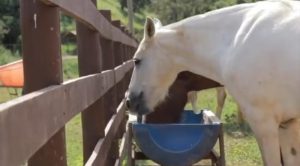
x=234, y=129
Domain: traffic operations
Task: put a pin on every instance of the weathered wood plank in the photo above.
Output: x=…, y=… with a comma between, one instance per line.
x=122, y=151
x=126, y=147
x=108, y=62
x=26, y=123
x=121, y=70
x=129, y=65
x=95, y=153
x=100, y=154
x=42, y=67
x=87, y=13
x=90, y=60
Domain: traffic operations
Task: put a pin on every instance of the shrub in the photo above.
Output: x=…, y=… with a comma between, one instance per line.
x=6, y=56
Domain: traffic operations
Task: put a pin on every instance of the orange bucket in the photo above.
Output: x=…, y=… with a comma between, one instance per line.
x=11, y=75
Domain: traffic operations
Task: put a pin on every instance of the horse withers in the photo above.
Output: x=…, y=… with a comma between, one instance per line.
x=252, y=49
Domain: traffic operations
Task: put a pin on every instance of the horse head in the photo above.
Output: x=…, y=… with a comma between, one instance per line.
x=154, y=71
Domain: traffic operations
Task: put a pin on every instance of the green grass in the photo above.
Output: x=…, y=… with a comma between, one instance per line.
x=7, y=56
x=74, y=142
x=115, y=8
x=5, y=96
x=68, y=49
x=239, y=150
x=242, y=151
x=118, y=14
x=70, y=67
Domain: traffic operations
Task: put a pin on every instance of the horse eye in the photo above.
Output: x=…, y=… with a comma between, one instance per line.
x=136, y=61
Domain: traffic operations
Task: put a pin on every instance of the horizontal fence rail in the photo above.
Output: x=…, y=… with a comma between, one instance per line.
x=104, y=145
x=32, y=127
x=86, y=12
x=27, y=120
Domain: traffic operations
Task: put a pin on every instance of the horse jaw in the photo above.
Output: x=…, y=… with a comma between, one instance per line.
x=158, y=69
x=164, y=41
x=152, y=78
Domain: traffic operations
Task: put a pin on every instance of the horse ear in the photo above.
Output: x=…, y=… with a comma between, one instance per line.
x=157, y=23
x=149, y=30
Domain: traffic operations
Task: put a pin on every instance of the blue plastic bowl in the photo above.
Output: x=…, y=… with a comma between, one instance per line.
x=179, y=144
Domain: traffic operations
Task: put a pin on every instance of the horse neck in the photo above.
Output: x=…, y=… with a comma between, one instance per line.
x=206, y=40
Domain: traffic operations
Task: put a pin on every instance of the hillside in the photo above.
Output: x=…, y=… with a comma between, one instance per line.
x=68, y=24
x=118, y=14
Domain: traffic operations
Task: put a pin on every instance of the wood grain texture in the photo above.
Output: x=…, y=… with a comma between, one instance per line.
x=26, y=123
x=121, y=70
x=42, y=64
x=100, y=155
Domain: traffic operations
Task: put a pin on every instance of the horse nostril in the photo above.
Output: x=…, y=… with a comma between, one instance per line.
x=127, y=103
x=133, y=101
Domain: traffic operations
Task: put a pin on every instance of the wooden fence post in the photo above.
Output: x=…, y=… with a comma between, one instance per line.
x=124, y=58
x=128, y=57
x=117, y=46
x=131, y=54
x=90, y=62
x=130, y=15
x=118, y=54
x=43, y=67
x=110, y=98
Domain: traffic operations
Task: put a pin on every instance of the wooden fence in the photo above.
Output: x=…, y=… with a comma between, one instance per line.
x=32, y=127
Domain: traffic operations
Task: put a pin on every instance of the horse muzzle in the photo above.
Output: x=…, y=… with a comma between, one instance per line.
x=136, y=103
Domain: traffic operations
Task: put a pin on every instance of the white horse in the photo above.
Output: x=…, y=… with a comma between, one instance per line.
x=252, y=49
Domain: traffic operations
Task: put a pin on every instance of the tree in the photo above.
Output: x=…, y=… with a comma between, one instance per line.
x=137, y=4
x=9, y=24
x=3, y=30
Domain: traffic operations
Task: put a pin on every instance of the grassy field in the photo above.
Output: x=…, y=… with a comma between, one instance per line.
x=118, y=14
x=7, y=56
x=241, y=149
x=240, y=145
x=74, y=142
